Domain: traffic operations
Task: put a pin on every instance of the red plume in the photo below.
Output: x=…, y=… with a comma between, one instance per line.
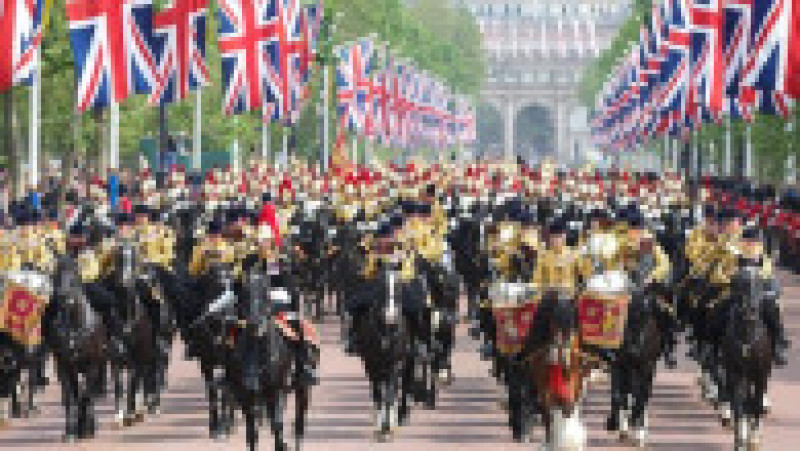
x=268, y=217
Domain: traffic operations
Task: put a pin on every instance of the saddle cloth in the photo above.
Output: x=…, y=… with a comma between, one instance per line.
x=513, y=326
x=602, y=319
x=25, y=296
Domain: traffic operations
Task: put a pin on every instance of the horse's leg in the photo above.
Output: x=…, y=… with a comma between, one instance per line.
x=642, y=390
x=613, y=420
x=515, y=410
x=133, y=388
x=301, y=402
x=119, y=392
x=274, y=401
x=248, y=410
x=69, y=399
x=213, y=407
x=738, y=399
x=16, y=395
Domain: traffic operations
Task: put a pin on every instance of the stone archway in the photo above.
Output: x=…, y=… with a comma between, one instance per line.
x=534, y=132
x=490, y=129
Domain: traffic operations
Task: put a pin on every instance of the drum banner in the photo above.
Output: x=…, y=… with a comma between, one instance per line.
x=21, y=315
x=602, y=320
x=513, y=325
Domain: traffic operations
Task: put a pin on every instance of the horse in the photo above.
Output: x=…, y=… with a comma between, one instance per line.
x=381, y=339
x=78, y=339
x=203, y=328
x=557, y=368
x=12, y=362
x=139, y=364
x=747, y=358
x=633, y=368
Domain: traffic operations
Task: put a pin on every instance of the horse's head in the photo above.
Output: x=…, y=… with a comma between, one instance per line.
x=747, y=288
x=255, y=308
x=564, y=362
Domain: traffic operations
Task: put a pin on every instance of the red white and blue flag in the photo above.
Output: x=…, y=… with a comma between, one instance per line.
x=247, y=31
x=354, y=85
x=111, y=42
x=179, y=36
x=707, y=26
x=769, y=65
x=20, y=21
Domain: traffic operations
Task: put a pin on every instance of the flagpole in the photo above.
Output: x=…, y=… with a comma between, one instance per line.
x=113, y=160
x=355, y=149
x=35, y=100
x=198, y=129
x=264, y=135
x=285, y=156
x=325, y=117
x=235, y=156
x=791, y=176
x=748, y=157
x=728, y=147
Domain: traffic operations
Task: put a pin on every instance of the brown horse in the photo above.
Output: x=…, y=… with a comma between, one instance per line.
x=557, y=370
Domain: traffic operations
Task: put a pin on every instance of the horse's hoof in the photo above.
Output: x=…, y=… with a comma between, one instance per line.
x=766, y=405
x=726, y=422
x=384, y=436
x=445, y=377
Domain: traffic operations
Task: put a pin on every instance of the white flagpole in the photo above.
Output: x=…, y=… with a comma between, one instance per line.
x=748, y=157
x=728, y=147
x=791, y=170
x=198, y=129
x=285, y=156
x=355, y=149
x=35, y=100
x=113, y=160
x=264, y=137
x=235, y=156
x=325, y=117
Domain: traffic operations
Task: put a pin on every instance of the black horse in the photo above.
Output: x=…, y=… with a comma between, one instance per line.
x=382, y=340
x=633, y=368
x=139, y=363
x=746, y=352
x=78, y=339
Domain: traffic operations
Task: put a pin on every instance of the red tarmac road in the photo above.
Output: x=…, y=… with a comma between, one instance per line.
x=468, y=415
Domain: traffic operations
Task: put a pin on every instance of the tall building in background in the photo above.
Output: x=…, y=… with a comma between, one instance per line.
x=537, y=51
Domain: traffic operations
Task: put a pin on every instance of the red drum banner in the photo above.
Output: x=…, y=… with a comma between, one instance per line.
x=513, y=325
x=602, y=320
x=21, y=314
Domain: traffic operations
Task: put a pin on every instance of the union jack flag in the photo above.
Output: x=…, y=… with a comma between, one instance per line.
x=288, y=62
x=737, y=42
x=767, y=64
x=247, y=30
x=708, y=52
x=20, y=21
x=352, y=79
x=401, y=104
x=111, y=41
x=179, y=36
x=675, y=79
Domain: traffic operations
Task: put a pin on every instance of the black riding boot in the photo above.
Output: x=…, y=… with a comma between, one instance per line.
x=668, y=326
x=774, y=322
x=306, y=364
